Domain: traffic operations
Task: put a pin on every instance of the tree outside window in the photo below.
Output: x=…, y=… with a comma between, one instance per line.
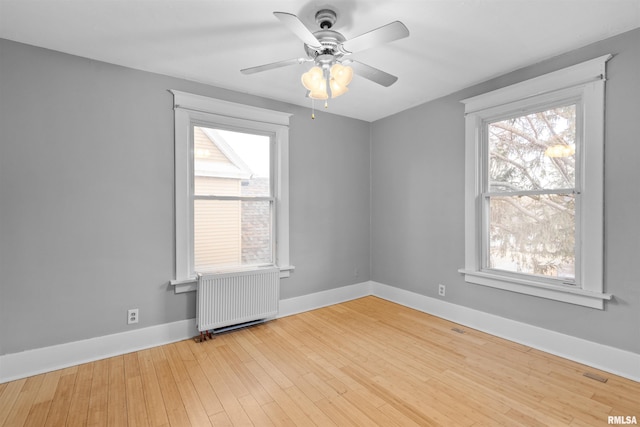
x=531, y=193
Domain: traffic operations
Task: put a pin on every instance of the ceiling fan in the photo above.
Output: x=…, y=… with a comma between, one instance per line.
x=329, y=51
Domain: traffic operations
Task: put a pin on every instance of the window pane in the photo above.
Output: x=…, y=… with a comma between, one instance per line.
x=533, y=235
x=231, y=233
x=229, y=163
x=533, y=152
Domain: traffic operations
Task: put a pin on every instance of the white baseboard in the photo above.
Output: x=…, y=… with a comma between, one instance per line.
x=323, y=299
x=620, y=362
x=37, y=361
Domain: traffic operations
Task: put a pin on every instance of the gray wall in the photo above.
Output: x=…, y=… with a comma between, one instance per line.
x=86, y=198
x=417, y=238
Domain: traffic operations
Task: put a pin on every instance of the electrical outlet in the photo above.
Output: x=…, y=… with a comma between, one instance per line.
x=441, y=290
x=132, y=316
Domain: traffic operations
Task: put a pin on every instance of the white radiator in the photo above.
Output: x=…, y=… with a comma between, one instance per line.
x=235, y=298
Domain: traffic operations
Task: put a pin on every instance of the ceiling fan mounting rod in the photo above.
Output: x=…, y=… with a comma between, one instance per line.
x=325, y=18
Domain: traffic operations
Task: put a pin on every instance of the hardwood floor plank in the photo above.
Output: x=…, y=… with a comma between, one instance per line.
x=351, y=412
x=210, y=401
x=267, y=364
x=99, y=395
x=153, y=400
x=278, y=394
x=220, y=420
x=528, y=406
x=517, y=417
x=9, y=397
x=310, y=391
x=308, y=406
x=136, y=405
x=175, y=410
x=392, y=399
x=332, y=411
x=23, y=402
x=628, y=404
x=190, y=399
x=224, y=359
x=245, y=341
x=360, y=401
x=232, y=407
x=60, y=404
x=254, y=411
x=79, y=406
x=398, y=417
x=117, y=395
x=424, y=401
x=277, y=415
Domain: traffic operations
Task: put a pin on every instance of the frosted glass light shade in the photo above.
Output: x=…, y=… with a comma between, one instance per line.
x=319, y=94
x=313, y=79
x=342, y=74
x=336, y=88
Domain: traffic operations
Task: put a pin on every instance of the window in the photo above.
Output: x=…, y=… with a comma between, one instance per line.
x=231, y=188
x=233, y=203
x=534, y=198
x=529, y=194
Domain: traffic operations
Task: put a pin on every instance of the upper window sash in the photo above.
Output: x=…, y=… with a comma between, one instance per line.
x=585, y=82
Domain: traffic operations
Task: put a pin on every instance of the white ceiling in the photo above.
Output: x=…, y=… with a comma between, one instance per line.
x=453, y=43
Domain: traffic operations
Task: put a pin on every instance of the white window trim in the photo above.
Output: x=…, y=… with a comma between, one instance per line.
x=190, y=108
x=585, y=80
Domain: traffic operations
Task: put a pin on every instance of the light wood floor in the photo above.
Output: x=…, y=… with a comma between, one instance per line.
x=365, y=362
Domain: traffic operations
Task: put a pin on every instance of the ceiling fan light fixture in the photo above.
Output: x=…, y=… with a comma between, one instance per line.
x=336, y=88
x=343, y=74
x=313, y=80
x=320, y=93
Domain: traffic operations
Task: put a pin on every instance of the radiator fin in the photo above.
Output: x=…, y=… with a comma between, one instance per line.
x=233, y=298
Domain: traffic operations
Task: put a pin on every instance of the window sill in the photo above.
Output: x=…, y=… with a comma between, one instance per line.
x=191, y=284
x=542, y=290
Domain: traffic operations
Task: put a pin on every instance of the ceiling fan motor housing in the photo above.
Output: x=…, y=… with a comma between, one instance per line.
x=329, y=39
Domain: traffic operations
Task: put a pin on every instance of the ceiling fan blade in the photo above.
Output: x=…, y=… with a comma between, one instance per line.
x=273, y=65
x=298, y=28
x=385, y=34
x=372, y=73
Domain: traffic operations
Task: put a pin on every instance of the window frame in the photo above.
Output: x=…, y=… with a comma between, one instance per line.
x=191, y=109
x=583, y=82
